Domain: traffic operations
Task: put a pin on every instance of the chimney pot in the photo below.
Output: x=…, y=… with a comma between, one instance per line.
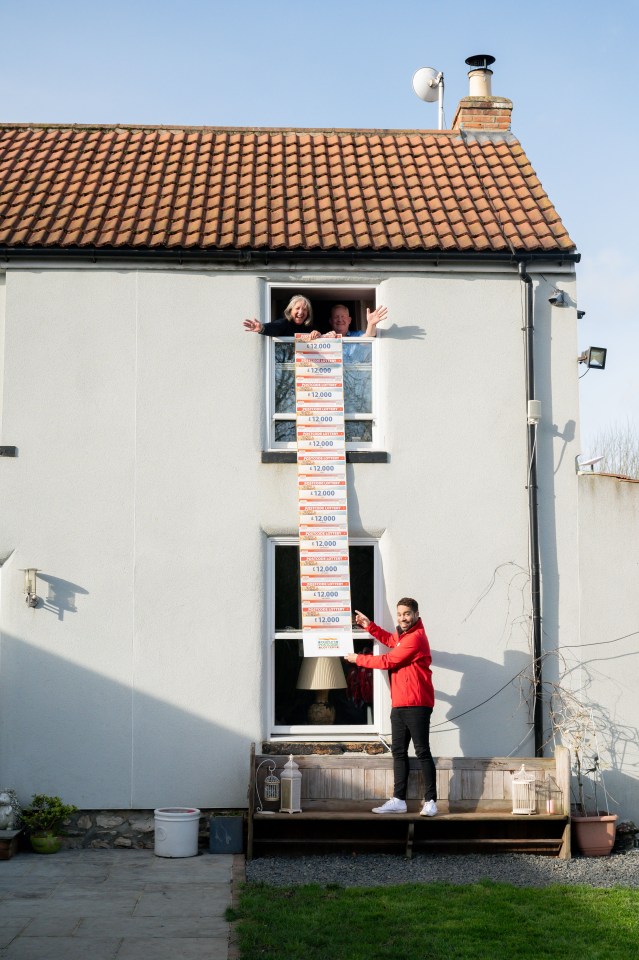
x=479, y=74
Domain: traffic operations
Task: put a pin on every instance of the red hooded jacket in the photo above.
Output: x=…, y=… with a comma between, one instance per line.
x=408, y=664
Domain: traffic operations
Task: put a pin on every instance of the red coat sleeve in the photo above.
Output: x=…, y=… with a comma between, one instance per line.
x=388, y=639
x=413, y=647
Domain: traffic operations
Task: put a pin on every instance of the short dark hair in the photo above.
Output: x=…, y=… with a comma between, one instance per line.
x=410, y=603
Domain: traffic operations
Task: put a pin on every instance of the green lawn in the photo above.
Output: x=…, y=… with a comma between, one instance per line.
x=484, y=921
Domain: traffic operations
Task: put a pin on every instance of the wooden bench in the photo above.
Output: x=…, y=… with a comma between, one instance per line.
x=474, y=803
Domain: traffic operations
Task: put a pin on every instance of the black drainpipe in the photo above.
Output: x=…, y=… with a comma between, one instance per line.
x=533, y=515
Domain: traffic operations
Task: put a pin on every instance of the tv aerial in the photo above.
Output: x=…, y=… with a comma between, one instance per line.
x=428, y=84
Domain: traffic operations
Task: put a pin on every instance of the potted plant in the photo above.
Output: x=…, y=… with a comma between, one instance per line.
x=574, y=725
x=44, y=819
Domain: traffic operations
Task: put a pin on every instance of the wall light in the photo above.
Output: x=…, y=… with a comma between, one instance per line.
x=594, y=358
x=30, y=585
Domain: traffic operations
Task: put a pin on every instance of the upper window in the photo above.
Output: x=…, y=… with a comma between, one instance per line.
x=360, y=363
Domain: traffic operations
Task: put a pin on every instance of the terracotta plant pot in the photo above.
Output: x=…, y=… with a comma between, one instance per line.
x=45, y=843
x=595, y=835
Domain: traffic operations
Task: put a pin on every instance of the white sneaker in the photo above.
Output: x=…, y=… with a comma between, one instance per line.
x=429, y=809
x=392, y=806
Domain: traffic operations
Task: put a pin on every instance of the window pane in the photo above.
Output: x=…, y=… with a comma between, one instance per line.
x=358, y=394
x=362, y=564
x=356, y=352
x=284, y=377
x=284, y=352
x=357, y=431
x=285, y=431
x=288, y=614
x=291, y=705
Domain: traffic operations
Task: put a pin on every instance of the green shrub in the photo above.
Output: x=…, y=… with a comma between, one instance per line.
x=46, y=814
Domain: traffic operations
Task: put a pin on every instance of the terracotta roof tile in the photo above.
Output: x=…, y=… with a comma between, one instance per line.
x=213, y=188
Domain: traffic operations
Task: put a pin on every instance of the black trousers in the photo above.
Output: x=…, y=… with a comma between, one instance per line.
x=412, y=723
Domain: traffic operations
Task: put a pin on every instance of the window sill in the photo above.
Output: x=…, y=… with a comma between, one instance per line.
x=352, y=456
x=300, y=745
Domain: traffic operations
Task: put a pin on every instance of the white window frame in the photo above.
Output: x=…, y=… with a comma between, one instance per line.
x=353, y=732
x=341, y=292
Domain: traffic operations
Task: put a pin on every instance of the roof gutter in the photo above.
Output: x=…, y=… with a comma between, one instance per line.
x=259, y=258
x=533, y=513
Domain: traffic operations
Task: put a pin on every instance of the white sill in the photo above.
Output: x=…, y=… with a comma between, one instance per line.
x=337, y=735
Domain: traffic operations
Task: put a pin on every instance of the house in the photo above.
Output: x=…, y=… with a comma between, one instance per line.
x=148, y=467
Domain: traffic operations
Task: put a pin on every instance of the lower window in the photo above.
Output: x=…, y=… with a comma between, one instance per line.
x=294, y=709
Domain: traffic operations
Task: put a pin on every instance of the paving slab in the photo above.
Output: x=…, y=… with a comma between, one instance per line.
x=153, y=927
x=10, y=909
x=10, y=930
x=205, y=949
x=57, y=927
x=194, y=900
x=62, y=948
x=115, y=905
x=26, y=889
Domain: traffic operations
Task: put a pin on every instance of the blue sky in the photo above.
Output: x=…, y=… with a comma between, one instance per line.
x=570, y=70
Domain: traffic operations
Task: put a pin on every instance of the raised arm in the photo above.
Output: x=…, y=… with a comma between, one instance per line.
x=372, y=319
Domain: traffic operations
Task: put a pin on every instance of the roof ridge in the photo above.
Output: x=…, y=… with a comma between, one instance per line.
x=233, y=128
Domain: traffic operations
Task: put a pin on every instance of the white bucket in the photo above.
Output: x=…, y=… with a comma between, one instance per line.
x=176, y=831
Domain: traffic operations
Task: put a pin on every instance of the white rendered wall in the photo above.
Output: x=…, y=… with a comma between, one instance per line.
x=609, y=592
x=456, y=507
x=136, y=401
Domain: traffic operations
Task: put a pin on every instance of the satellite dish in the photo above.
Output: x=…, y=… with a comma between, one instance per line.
x=590, y=463
x=426, y=84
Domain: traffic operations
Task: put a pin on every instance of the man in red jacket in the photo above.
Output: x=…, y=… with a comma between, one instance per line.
x=412, y=695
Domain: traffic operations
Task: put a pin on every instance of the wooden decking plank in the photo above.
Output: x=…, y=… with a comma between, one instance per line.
x=477, y=816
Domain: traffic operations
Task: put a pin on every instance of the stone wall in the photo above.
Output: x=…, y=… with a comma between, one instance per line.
x=126, y=829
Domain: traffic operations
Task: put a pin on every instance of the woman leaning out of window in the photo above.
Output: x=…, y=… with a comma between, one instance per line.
x=298, y=318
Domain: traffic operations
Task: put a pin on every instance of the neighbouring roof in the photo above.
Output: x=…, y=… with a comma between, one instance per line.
x=212, y=188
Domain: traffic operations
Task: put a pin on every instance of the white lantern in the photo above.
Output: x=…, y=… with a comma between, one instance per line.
x=524, y=793
x=291, y=787
x=271, y=786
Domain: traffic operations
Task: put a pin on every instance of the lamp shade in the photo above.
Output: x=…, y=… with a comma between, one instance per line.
x=321, y=673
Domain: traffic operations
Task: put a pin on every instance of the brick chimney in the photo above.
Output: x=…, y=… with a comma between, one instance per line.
x=480, y=110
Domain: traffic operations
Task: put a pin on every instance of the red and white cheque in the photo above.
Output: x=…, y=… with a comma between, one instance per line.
x=335, y=459
x=323, y=565
x=314, y=540
x=321, y=590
